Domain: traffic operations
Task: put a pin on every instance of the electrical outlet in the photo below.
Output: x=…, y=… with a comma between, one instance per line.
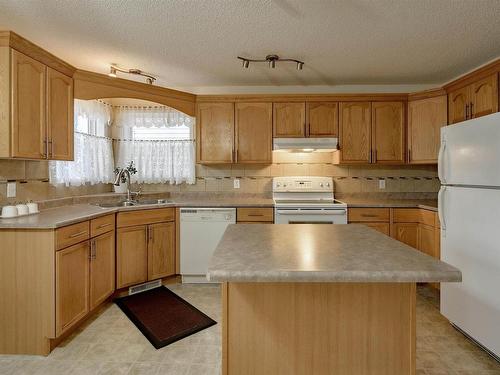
x=11, y=189
x=381, y=184
x=236, y=183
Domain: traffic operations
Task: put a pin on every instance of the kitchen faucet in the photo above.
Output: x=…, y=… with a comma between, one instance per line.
x=119, y=175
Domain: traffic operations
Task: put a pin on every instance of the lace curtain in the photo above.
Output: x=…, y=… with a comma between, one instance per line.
x=93, y=152
x=168, y=156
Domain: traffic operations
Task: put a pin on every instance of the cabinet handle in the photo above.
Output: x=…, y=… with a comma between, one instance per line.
x=150, y=233
x=466, y=111
x=45, y=152
x=103, y=225
x=50, y=148
x=409, y=155
x=94, y=250
x=374, y=156
x=471, y=114
x=368, y=215
x=255, y=215
x=78, y=234
x=370, y=156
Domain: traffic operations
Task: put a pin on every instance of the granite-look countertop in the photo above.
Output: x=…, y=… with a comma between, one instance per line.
x=427, y=204
x=320, y=253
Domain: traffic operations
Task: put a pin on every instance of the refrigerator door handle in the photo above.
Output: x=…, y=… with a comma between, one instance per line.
x=440, y=162
x=441, y=208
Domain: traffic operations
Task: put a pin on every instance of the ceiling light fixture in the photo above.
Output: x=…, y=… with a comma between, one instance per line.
x=271, y=60
x=113, y=69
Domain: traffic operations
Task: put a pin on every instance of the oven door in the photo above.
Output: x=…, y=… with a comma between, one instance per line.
x=310, y=216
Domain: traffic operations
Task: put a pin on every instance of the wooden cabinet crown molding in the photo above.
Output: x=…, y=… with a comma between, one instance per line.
x=471, y=77
x=426, y=94
x=89, y=85
x=17, y=42
x=278, y=98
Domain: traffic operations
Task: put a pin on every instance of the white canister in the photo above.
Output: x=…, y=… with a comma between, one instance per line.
x=32, y=207
x=22, y=209
x=9, y=211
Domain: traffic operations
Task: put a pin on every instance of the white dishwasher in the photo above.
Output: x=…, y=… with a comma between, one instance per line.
x=201, y=231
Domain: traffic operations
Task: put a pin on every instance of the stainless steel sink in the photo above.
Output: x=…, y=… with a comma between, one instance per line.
x=136, y=203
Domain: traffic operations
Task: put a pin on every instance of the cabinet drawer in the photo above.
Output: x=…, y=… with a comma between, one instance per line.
x=72, y=234
x=406, y=215
x=368, y=214
x=427, y=217
x=265, y=214
x=102, y=225
x=140, y=217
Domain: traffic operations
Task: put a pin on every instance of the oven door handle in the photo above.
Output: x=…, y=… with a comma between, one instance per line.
x=312, y=212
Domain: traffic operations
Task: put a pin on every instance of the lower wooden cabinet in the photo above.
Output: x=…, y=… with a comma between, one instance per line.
x=102, y=268
x=254, y=215
x=384, y=228
x=147, y=251
x=406, y=233
x=72, y=285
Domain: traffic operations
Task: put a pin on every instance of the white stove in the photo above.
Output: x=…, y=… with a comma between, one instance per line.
x=307, y=200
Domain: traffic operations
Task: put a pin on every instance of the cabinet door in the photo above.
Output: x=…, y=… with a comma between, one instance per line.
x=215, y=133
x=381, y=227
x=426, y=240
x=354, y=134
x=484, y=96
x=102, y=268
x=60, y=115
x=425, y=119
x=289, y=120
x=254, y=132
x=29, y=130
x=161, y=250
x=131, y=256
x=72, y=285
x=406, y=233
x=388, y=132
x=322, y=119
x=457, y=100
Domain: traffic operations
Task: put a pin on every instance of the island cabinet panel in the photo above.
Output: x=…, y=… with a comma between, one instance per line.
x=102, y=268
x=131, y=256
x=388, y=132
x=355, y=132
x=29, y=126
x=215, y=133
x=161, y=250
x=254, y=132
x=72, y=285
x=322, y=119
x=426, y=117
x=319, y=328
x=289, y=120
x=59, y=115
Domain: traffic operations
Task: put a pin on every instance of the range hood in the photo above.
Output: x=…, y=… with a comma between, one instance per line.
x=305, y=144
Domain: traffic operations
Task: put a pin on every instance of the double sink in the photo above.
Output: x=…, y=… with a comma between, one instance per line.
x=145, y=202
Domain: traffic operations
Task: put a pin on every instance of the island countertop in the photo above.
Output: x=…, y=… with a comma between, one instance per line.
x=320, y=253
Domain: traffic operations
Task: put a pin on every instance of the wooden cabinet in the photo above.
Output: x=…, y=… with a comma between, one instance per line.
x=161, y=250
x=131, y=255
x=102, y=268
x=72, y=285
x=376, y=218
x=289, y=120
x=477, y=99
x=215, y=133
x=425, y=119
x=29, y=127
x=254, y=132
x=381, y=227
x=426, y=240
x=388, y=132
x=145, y=251
x=355, y=132
x=255, y=215
x=406, y=233
x=37, y=101
x=60, y=128
x=322, y=119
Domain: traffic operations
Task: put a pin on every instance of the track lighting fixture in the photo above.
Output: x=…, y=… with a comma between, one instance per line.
x=271, y=60
x=113, y=69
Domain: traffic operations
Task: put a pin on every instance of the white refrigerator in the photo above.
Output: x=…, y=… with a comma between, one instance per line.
x=469, y=211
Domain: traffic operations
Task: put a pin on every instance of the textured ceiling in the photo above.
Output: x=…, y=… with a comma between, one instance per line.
x=194, y=43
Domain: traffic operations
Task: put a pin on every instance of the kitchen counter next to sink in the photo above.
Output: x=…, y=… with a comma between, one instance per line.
x=320, y=253
x=427, y=204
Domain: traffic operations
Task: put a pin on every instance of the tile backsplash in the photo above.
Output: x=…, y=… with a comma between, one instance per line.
x=32, y=178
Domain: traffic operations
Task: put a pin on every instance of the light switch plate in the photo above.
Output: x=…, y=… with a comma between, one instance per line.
x=236, y=183
x=381, y=184
x=11, y=189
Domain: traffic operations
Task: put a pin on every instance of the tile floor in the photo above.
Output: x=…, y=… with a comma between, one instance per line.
x=110, y=344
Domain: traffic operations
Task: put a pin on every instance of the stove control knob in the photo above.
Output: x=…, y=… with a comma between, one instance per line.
x=278, y=184
x=284, y=185
x=321, y=184
x=328, y=184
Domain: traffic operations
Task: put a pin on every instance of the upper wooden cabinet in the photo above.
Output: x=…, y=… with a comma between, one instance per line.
x=215, y=133
x=38, y=105
x=477, y=99
x=388, y=132
x=322, y=119
x=425, y=119
x=289, y=120
x=355, y=132
x=254, y=132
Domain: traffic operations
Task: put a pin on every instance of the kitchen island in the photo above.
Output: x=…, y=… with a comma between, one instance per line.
x=319, y=299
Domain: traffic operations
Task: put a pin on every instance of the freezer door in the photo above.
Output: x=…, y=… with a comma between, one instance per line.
x=470, y=241
x=470, y=152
